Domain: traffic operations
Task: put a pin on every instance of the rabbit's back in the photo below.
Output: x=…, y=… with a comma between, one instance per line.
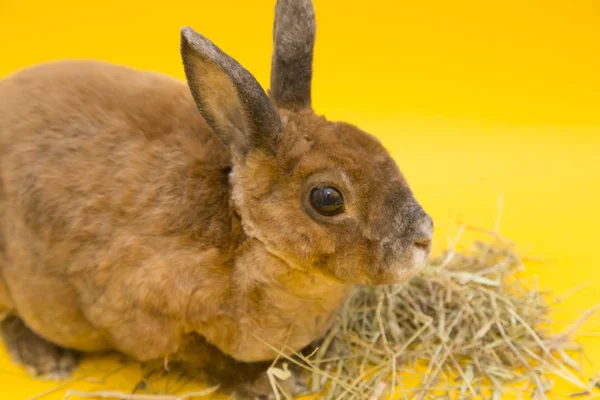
x=88, y=143
x=100, y=161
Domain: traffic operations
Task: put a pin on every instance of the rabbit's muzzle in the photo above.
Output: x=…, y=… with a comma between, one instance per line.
x=405, y=249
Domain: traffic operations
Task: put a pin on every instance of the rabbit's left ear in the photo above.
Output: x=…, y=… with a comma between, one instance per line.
x=228, y=96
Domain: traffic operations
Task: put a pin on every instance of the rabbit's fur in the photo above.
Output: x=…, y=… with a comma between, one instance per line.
x=129, y=220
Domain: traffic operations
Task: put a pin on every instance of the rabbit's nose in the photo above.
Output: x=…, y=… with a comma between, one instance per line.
x=424, y=234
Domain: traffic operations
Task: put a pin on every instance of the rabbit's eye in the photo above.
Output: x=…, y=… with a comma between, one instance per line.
x=327, y=200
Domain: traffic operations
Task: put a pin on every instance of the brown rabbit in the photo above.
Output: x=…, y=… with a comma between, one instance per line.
x=131, y=221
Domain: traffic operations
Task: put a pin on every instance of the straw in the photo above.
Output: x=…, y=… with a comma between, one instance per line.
x=466, y=325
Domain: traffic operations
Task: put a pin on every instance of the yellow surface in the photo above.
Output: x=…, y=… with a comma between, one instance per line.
x=475, y=99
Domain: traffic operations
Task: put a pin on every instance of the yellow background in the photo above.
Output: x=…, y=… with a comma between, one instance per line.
x=475, y=99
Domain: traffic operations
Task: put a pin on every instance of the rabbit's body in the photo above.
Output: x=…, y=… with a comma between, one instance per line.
x=123, y=236
x=202, y=223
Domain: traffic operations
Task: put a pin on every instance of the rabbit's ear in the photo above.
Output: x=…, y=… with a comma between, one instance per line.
x=228, y=96
x=293, y=44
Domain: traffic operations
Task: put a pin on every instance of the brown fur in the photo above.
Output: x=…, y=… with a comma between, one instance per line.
x=131, y=221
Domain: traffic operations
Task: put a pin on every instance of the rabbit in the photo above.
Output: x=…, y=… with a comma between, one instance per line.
x=194, y=220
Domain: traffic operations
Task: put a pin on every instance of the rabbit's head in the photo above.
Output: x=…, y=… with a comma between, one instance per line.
x=323, y=196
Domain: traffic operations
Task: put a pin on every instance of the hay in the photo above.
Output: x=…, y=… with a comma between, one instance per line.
x=109, y=394
x=467, y=326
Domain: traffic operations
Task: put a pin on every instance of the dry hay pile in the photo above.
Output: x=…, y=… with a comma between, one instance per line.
x=467, y=327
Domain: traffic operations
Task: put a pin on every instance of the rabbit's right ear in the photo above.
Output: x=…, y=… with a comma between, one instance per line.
x=229, y=98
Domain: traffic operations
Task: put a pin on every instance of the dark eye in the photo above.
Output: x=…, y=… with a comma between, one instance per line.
x=327, y=200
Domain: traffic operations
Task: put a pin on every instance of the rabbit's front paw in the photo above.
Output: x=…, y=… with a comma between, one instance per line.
x=262, y=389
x=38, y=356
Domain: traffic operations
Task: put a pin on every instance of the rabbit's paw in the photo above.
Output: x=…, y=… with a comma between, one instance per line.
x=39, y=357
x=262, y=389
